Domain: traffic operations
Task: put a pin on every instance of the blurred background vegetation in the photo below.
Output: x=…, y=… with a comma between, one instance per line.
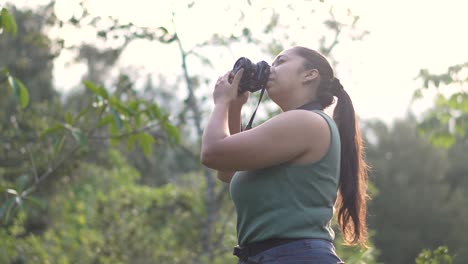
x=109, y=172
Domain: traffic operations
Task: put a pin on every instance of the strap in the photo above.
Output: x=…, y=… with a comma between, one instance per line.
x=249, y=125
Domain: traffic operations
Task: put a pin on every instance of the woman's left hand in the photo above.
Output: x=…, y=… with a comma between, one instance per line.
x=226, y=92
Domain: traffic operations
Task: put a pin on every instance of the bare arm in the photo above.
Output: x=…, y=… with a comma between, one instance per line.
x=235, y=123
x=279, y=140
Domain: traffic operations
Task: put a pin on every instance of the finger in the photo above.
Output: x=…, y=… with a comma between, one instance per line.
x=237, y=77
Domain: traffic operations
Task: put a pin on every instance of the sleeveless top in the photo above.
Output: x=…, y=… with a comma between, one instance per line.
x=288, y=200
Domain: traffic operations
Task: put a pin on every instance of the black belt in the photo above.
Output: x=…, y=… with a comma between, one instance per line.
x=252, y=249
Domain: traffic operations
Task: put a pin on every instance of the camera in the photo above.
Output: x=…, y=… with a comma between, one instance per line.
x=254, y=77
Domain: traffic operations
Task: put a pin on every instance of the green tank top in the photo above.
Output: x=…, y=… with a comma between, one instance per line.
x=288, y=200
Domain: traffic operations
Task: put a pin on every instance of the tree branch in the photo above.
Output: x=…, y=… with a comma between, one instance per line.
x=156, y=134
x=67, y=156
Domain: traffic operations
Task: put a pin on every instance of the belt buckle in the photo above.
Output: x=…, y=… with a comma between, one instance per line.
x=241, y=252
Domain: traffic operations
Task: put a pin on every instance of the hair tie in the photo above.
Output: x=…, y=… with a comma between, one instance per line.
x=335, y=86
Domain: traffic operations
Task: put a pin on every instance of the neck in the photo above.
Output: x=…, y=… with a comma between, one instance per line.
x=294, y=104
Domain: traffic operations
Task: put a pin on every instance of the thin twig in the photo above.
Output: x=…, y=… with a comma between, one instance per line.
x=50, y=171
x=134, y=132
x=36, y=177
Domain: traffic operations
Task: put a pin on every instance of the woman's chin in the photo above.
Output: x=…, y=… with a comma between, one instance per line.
x=270, y=90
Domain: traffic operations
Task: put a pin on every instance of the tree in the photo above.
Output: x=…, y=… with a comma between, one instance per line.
x=106, y=217
x=29, y=55
x=41, y=140
x=448, y=119
x=416, y=206
x=440, y=255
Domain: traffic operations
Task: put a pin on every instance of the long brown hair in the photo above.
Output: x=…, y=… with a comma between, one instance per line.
x=352, y=196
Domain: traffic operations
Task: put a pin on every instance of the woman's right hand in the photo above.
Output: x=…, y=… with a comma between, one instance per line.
x=241, y=98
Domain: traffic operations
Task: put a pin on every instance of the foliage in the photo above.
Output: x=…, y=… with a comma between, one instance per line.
x=19, y=90
x=356, y=254
x=420, y=194
x=438, y=256
x=448, y=119
x=7, y=22
x=105, y=217
x=29, y=55
x=42, y=138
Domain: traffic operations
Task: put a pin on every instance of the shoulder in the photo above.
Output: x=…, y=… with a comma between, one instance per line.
x=304, y=119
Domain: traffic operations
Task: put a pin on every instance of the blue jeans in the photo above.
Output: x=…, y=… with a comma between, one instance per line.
x=305, y=251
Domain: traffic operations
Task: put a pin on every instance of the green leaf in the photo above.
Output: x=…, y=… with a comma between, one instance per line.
x=100, y=91
x=417, y=94
x=113, y=129
x=117, y=119
x=131, y=141
x=52, y=130
x=6, y=207
x=105, y=120
x=459, y=101
x=8, y=22
x=128, y=127
x=443, y=140
x=146, y=141
x=21, y=182
x=173, y=132
x=155, y=112
x=78, y=135
x=133, y=105
x=24, y=94
x=137, y=120
x=119, y=106
x=440, y=100
x=19, y=90
x=69, y=118
x=36, y=201
x=426, y=83
x=5, y=71
x=58, y=144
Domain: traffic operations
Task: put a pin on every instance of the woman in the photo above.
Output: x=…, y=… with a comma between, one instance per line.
x=295, y=169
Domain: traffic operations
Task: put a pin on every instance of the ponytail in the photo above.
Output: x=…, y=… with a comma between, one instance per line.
x=352, y=195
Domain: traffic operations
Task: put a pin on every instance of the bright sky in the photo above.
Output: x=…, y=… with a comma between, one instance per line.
x=378, y=72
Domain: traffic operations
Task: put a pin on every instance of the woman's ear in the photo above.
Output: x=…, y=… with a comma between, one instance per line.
x=311, y=75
